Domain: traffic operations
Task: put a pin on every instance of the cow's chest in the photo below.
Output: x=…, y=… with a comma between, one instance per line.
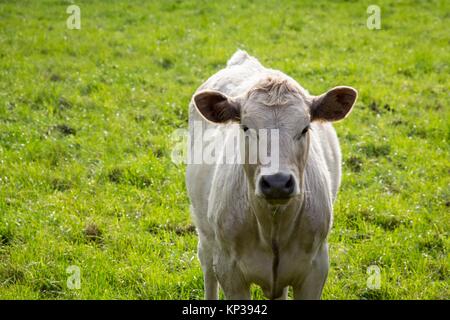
x=261, y=266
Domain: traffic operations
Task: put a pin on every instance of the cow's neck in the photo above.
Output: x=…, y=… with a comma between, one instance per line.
x=276, y=224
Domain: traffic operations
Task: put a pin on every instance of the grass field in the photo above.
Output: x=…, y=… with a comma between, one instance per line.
x=86, y=177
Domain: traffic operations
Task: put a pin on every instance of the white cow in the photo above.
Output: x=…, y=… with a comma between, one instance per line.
x=256, y=225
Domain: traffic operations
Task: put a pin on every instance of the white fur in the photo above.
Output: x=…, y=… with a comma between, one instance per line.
x=237, y=232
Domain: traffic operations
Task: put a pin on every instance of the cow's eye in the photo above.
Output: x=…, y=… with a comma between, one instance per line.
x=305, y=130
x=245, y=128
x=299, y=136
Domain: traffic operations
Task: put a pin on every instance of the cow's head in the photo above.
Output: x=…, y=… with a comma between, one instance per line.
x=277, y=103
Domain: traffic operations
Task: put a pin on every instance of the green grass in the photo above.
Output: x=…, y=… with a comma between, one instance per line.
x=85, y=115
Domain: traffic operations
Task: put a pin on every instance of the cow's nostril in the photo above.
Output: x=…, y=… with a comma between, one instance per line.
x=264, y=184
x=289, y=186
x=290, y=183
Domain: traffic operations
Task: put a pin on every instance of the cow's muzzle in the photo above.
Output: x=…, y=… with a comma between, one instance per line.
x=278, y=186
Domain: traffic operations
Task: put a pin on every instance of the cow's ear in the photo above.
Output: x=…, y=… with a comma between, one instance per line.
x=333, y=105
x=216, y=106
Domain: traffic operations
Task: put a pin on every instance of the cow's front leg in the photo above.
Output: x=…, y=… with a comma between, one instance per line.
x=312, y=285
x=205, y=254
x=231, y=279
x=284, y=295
